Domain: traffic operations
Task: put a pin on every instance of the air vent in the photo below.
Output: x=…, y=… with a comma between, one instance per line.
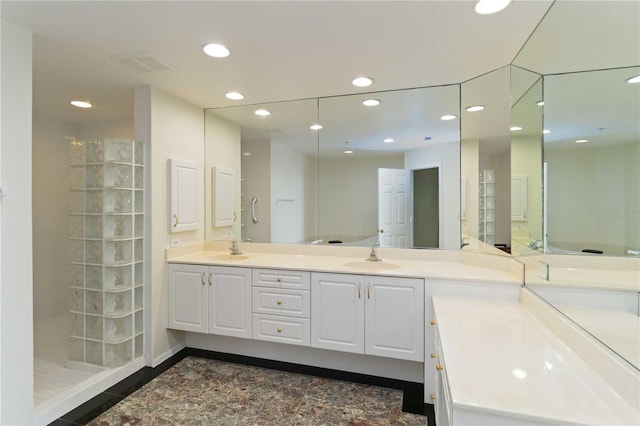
x=143, y=62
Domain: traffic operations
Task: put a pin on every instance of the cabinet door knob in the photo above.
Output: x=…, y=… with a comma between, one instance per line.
x=175, y=220
x=279, y=330
x=433, y=323
x=279, y=302
x=433, y=397
x=368, y=291
x=202, y=278
x=439, y=367
x=210, y=278
x=433, y=355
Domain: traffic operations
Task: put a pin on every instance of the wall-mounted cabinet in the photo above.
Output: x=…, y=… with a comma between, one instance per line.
x=224, y=213
x=183, y=196
x=519, y=198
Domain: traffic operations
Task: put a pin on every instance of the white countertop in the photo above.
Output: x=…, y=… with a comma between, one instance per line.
x=500, y=358
x=419, y=268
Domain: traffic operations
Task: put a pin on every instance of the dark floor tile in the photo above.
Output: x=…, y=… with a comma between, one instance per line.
x=364, y=379
x=413, y=391
x=60, y=422
x=92, y=408
x=132, y=383
x=310, y=370
x=386, y=382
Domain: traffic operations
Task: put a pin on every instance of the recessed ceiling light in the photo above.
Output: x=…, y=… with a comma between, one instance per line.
x=388, y=140
x=216, y=50
x=246, y=153
x=315, y=127
x=540, y=103
x=362, y=81
x=234, y=96
x=348, y=151
x=487, y=7
x=546, y=131
x=81, y=104
x=582, y=140
x=448, y=117
x=262, y=112
x=516, y=128
x=635, y=79
x=520, y=374
x=371, y=102
x=475, y=108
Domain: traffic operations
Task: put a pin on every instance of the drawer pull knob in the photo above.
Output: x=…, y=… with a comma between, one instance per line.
x=279, y=302
x=279, y=330
x=279, y=279
x=439, y=367
x=433, y=323
x=433, y=355
x=433, y=397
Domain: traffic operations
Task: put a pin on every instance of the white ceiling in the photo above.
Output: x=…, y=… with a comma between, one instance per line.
x=280, y=50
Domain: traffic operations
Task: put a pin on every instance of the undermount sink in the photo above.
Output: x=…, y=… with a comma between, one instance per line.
x=371, y=266
x=229, y=257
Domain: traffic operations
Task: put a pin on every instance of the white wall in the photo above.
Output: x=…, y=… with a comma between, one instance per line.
x=469, y=161
x=349, y=195
x=288, y=174
x=170, y=128
x=448, y=157
x=255, y=168
x=113, y=129
x=222, y=149
x=16, y=292
x=587, y=187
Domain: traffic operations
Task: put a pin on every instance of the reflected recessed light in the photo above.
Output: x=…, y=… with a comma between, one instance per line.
x=362, y=81
x=515, y=128
x=635, y=79
x=448, y=117
x=582, y=140
x=388, y=140
x=262, y=112
x=315, y=127
x=348, y=151
x=246, y=153
x=371, y=102
x=234, y=96
x=540, y=103
x=81, y=104
x=546, y=131
x=487, y=7
x=475, y=108
x=216, y=50
x=520, y=374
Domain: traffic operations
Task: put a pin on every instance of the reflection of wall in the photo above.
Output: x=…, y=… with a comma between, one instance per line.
x=586, y=196
x=501, y=165
x=470, y=171
x=526, y=160
x=289, y=174
x=50, y=205
x=222, y=142
x=448, y=157
x=349, y=194
x=255, y=168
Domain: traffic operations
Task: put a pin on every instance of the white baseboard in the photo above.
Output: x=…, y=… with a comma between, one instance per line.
x=167, y=354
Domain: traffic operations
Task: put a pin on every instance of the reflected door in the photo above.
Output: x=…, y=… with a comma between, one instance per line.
x=394, y=198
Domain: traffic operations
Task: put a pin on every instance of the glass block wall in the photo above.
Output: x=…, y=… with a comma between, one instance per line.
x=106, y=220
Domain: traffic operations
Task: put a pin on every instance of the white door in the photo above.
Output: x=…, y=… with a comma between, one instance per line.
x=337, y=312
x=394, y=317
x=188, y=297
x=519, y=198
x=229, y=301
x=394, y=207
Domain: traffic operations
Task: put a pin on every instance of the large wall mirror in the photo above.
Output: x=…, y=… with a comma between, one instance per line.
x=379, y=167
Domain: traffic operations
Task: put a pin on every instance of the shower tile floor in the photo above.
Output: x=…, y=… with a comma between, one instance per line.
x=52, y=374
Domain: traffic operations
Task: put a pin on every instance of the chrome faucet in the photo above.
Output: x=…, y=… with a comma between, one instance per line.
x=635, y=252
x=373, y=256
x=535, y=244
x=235, y=249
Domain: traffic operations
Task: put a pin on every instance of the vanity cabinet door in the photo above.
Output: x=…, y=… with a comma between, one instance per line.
x=229, y=300
x=394, y=317
x=188, y=297
x=337, y=312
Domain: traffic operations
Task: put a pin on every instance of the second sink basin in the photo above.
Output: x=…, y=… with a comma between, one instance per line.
x=371, y=266
x=228, y=257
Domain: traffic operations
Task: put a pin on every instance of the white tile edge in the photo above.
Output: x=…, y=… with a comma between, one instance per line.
x=167, y=354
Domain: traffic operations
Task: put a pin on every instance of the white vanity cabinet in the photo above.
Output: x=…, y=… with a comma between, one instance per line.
x=373, y=315
x=441, y=397
x=281, y=306
x=210, y=299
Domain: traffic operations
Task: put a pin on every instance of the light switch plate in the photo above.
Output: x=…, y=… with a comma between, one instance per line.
x=543, y=270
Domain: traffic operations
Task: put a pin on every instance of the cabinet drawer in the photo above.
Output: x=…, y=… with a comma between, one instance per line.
x=277, y=301
x=282, y=279
x=295, y=331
